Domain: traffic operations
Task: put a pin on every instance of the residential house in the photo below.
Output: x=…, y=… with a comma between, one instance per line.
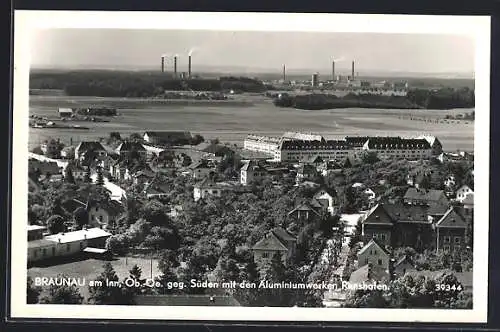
x=416, y=196
x=398, y=225
x=251, y=171
x=277, y=241
x=375, y=254
x=306, y=172
x=168, y=137
x=156, y=190
x=100, y=214
x=143, y=176
x=463, y=192
x=403, y=266
x=200, y=169
x=130, y=149
x=330, y=167
x=89, y=148
x=37, y=168
x=314, y=160
x=328, y=199
x=207, y=188
x=306, y=211
x=451, y=231
x=66, y=244
x=52, y=148
x=78, y=171
x=367, y=274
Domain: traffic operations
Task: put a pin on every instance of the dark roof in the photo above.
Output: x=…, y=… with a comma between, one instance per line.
x=283, y=234
x=330, y=191
x=131, y=146
x=43, y=167
x=306, y=168
x=90, y=146
x=186, y=300
x=452, y=219
x=270, y=242
x=399, y=143
x=368, y=273
x=71, y=205
x=304, y=207
x=314, y=145
x=407, y=213
x=356, y=141
x=403, y=260
x=437, y=209
x=314, y=159
x=430, y=195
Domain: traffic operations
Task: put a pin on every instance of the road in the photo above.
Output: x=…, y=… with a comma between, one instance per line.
x=335, y=298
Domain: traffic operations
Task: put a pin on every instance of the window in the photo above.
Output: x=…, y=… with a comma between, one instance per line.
x=382, y=237
x=379, y=262
x=446, y=239
x=457, y=239
x=265, y=255
x=68, y=247
x=446, y=248
x=366, y=261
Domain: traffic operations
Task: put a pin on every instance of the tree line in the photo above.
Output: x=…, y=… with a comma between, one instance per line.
x=135, y=84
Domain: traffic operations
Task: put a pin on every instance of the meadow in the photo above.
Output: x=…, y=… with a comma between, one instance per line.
x=231, y=123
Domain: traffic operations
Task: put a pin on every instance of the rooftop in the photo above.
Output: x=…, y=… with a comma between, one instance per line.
x=397, y=143
x=84, y=234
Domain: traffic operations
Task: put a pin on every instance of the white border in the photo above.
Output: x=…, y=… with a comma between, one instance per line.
x=27, y=21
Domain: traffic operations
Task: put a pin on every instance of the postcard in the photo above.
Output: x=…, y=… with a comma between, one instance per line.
x=250, y=167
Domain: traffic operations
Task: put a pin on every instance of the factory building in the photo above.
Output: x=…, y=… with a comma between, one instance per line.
x=315, y=80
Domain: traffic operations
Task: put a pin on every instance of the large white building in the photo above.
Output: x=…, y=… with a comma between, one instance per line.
x=297, y=147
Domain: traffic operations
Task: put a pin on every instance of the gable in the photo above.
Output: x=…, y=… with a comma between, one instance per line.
x=452, y=219
x=378, y=216
x=373, y=245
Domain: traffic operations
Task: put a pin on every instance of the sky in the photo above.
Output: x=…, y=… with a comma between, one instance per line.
x=379, y=52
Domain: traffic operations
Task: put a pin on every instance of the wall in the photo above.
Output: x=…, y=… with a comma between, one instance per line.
x=375, y=256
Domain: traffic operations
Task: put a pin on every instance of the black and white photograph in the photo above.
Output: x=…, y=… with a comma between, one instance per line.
x=222, y=167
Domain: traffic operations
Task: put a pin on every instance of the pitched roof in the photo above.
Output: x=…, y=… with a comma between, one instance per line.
x=71, y=205
x=90, y=146
x=368, y=273
x=374, y=216
x=306, y=206
x=407, y=213
x=283, y=234
x=430, y=195
x=270, y=242
x=187, y=300
x=356, y=141
x=397, y=143
x=469, y=199
x=131, y=146
x=373, y=243
x=40, y=243
x=437, y=209
x=316, y=145
x=324, y=189
x=452, y=219
x=403, y=260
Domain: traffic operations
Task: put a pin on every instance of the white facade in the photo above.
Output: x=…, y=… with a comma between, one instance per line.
x=463, y=192
x=409, y=154
x=265, y=144
x=332, y=203
x=201, y=192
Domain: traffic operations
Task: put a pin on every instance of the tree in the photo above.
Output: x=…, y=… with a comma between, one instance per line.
x=366, y=299
x=68, y=175
x=32, y=292
x=80, y=217
x=108, y=291
x=370, y=158
x=55, y=224
x=64, y=294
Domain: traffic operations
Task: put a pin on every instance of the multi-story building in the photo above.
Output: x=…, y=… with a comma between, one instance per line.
x=277, y=241
x=251, y=171
x=399, y=148
x=294, y=150
x=263, y=144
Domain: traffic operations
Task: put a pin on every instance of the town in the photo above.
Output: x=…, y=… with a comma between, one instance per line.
x=299, y=208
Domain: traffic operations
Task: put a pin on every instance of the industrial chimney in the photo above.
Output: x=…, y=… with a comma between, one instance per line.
x=333, y=70
x=284, y=73
x=189, y=66
x=162, y=64
x=175, y=66
x=352, y=75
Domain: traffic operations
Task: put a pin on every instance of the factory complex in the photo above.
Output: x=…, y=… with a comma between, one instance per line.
x=298, y=147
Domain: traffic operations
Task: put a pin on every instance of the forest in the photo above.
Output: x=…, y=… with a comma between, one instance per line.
x=135, y=84
x=445, y=98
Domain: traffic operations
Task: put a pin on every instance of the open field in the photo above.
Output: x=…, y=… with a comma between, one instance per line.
x=91, y=268
x=232, y=124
